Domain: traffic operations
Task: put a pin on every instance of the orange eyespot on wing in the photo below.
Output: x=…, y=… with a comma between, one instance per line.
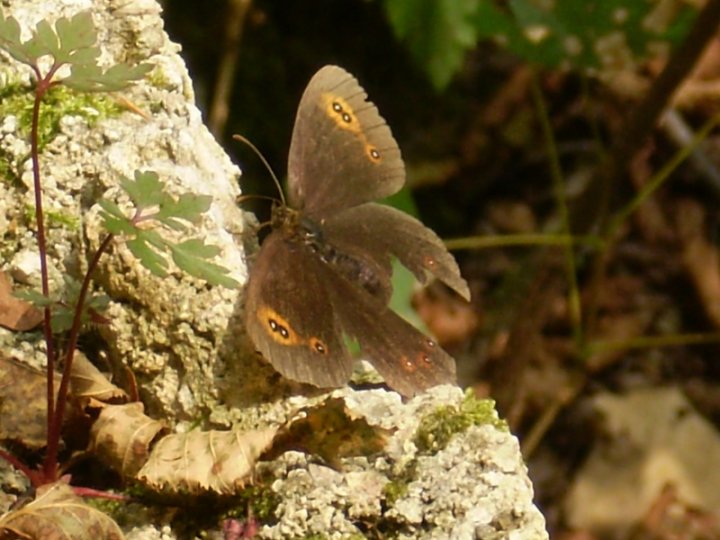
x=342, y=114
x=280, y=330
x=429, y=262
x=277, y=327
x=318, y=346
x=422, y=360
x=345, y=118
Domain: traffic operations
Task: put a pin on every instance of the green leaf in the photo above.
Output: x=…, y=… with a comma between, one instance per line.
x=111, y=208
x=146, y=190
x=63, y=312
x=98, y=302
x=114, y=220
x=191, y=256
x=36, y=298
x=188, y=206
x=61, y=319
x=45, y=39
x=437, y=32
x=153, y=238
x=91, y=78
x=571, y=33
x=71, y=41
x=11, y=43
x=76, y=33
x=148, y=257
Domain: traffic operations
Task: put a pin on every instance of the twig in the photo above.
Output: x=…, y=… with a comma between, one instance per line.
x=238, y=10
x=640, y=125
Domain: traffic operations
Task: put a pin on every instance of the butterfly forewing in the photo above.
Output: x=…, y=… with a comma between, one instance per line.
x=289, y=316
x=342, y=152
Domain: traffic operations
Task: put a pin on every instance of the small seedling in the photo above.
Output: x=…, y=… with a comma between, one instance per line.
x=66, y=54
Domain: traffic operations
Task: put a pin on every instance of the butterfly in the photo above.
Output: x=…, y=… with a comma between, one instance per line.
x=322, y=276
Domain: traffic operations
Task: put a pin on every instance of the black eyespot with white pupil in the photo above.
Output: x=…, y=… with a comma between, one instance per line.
x=337, y=107
x=374, y=154
x=278, y=328
x=318, y=345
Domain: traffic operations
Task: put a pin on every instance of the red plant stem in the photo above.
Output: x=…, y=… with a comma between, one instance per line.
x=97, y=494
x=56, y=425
x=43, y=84
x=31, y=475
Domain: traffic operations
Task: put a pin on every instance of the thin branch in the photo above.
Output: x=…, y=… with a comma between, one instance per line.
x=561, y=204
x=238, y=10
x=40, y=90
x=640, y=124
x=56, y=424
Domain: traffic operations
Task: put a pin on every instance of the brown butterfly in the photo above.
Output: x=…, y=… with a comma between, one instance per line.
x=323, y=274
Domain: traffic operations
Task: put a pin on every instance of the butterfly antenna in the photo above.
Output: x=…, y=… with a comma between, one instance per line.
x=265, y=162
x=242, y=198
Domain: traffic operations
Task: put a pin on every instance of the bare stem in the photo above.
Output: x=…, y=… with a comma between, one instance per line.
x=20, y=466
x=56, y=424
x=40, y=90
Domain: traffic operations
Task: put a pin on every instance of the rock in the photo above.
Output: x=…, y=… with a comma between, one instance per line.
x=651, y=440
x=183, y=340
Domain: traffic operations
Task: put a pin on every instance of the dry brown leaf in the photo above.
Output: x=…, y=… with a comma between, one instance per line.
x=450, y=318
x=87, y=382
x=23, y=403
x=122, y=435
x=201, y=461
x=330, y=431
x=58, y=514
x=16, y=314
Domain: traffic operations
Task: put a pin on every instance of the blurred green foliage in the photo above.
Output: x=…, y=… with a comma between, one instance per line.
x=552, y=33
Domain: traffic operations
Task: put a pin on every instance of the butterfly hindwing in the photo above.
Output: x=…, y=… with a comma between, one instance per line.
x=409, y=361
x=289, y=316
x=380, y=230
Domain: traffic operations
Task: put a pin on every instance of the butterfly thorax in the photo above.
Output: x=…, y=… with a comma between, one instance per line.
x=301, y=230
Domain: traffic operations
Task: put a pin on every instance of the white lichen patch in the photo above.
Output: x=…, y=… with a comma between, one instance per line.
x=463, y=491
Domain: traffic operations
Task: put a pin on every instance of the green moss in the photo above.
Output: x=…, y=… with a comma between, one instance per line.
x=437, y=428
x=54, y=218
x=17, y=100
x=7, y=173
x=395, y=490
x=106, y=506
x=262, y=500
x=158, y=79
